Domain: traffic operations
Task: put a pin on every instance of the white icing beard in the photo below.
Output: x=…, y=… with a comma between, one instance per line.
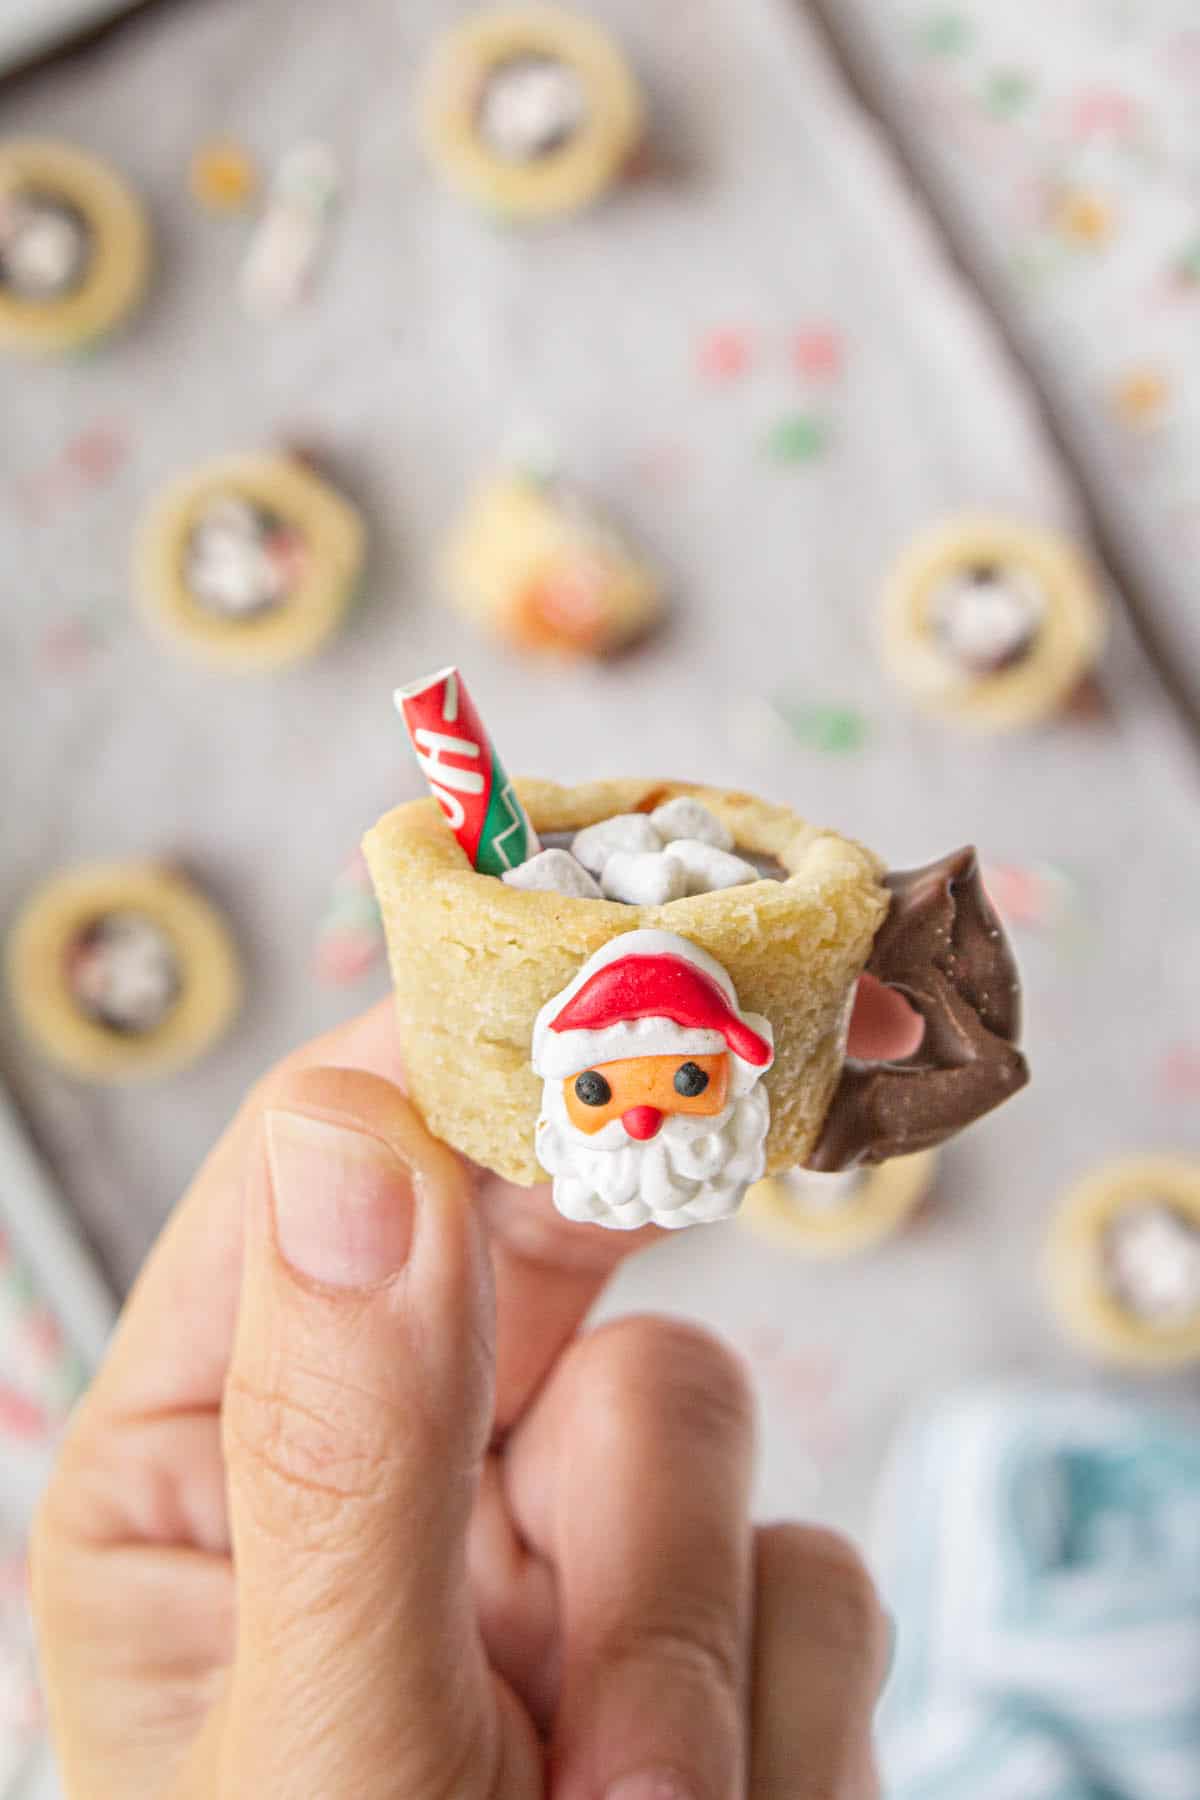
x=695, y=1170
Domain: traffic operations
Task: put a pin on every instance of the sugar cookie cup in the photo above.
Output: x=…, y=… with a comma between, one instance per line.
x=990, y=624
x=474, y=960
x=1084, y=1282
x=530, y=112
x=215, y=533
x=42, y=951
x=873, y=1203
x=75, y=251
x=529, y=567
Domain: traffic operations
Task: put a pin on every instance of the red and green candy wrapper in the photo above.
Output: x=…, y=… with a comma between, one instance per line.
x=465, y=775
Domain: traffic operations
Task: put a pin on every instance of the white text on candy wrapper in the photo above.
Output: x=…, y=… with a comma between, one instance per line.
x=433, y=747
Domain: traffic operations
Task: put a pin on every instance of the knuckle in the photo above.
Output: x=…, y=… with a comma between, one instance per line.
x=699, y=1651
x=301, y=1457
x=836, y=1593
x=681, y=1374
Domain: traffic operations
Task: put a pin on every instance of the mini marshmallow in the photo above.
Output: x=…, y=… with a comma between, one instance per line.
x=554, y=872
x=644, y=877
x=684, y=817
x=708, y=868
x=625, y=831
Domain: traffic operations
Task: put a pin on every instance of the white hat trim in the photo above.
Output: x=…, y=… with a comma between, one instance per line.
x=559, y=1054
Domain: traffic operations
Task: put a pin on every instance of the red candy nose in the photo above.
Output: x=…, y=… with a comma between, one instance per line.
x=642, y=1121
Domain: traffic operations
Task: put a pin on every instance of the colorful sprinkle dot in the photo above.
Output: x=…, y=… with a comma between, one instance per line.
x=836, y=730
x=1006, y=92
x=1103, y=110
x=1085, y=219
x=1187, y=265
x=96, y=454
x=222, y=177
x=798, y=438
x=817, y=352
x=944, y=34
x=724, y=354
x=1139, y=399
x=1039, y=896
x=1179, y=1072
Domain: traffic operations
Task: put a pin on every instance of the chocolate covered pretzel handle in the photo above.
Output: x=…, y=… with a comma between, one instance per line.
x=943, y=948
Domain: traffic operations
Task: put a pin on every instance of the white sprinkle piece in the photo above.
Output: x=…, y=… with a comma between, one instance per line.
x=684, y=817
x=553, y=872
x=644, y=877
x=708, y=868
x=625, y=831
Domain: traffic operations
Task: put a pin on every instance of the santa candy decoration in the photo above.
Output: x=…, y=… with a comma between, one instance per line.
x=653, y=1111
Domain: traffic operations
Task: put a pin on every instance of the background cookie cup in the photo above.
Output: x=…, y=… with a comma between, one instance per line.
x=532, y=181
x=116, y=253
x=58, y=918
x=1079, y=1266
x=326, y=527
x=1033, y=678
x=474, y=960
x=875, y=1203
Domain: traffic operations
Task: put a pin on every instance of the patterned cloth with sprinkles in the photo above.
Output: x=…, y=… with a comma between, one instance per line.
x=54, y=1318
x=1041, y=1552
x=1063, y=147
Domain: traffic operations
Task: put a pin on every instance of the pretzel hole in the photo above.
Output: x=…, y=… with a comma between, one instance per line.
x=884, y=1028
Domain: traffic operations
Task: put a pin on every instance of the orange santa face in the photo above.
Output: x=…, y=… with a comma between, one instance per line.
x=642, y=1090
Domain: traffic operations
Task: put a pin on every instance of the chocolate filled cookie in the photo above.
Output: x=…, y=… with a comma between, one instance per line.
x=74, y=248
x=249, y=563
x=530, y=111
x=122, y=970
x=1123, y=1262
x=990, y=624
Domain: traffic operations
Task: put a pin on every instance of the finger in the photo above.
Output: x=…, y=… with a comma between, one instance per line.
x=883, y=1026
x=631, y=1476
x=549, y=1272
x=186, y=1296
x=141, y=1461
x=171, y=1349
x=355, y=1417
x=820, y=1657
x=515, y=1600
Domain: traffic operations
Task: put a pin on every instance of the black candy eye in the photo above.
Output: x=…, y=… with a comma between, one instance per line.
x=592, y=1089
x=690, y=1080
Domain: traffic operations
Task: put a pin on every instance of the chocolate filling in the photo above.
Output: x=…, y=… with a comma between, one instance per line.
x=530, y=107
x=45, y=245
x=241, y=561
x=124, y=973
x=943, y=948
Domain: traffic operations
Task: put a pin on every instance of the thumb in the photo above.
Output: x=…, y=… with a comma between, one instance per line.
x=355, y=1417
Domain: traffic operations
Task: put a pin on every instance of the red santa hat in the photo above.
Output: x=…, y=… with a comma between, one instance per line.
x=649, y=993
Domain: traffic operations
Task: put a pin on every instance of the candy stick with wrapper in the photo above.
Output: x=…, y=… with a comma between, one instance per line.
x=466, y=777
